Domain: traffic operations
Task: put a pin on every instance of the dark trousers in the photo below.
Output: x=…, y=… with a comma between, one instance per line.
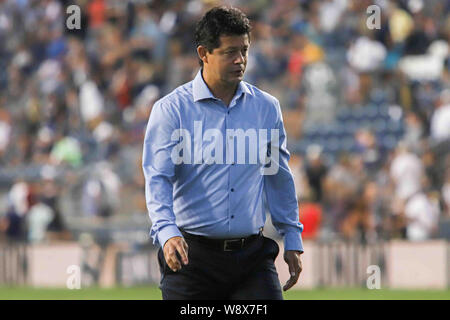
x=245, y=274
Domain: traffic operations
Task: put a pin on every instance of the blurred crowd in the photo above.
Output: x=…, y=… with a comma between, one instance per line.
x=74, y=104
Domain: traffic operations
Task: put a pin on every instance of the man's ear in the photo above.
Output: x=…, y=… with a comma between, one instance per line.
x=201, y=51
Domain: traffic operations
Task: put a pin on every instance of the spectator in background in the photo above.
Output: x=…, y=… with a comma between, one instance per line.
x=5, y=133
x=38, y=219
x=367, y=147
x=315, y=172
x=100, y=193
x=400, y=23
x=356, y=219
x=446, y=193
x=49, y=195
x=310, y=213
x=440, y=120
x=20, y=200
x=380, y=203
x=422, y=216
x=418, y=40
x=415, y=130
x=12, y=225
x=366, y=54
x=406, y=172
x=339, y=187
x=297, y=165
x=91, y=102
x=432, y=175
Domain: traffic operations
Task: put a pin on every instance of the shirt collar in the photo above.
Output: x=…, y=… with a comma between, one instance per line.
x=201, y=91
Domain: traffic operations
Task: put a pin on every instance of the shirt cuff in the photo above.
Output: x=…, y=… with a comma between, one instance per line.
x=168, y=232
x=293, y=241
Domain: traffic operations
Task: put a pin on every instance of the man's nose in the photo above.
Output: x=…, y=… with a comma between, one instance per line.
x=240, y=58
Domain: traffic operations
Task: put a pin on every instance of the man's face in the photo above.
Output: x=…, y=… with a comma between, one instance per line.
x=227, y=63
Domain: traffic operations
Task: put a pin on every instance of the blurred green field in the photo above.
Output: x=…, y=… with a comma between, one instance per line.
x=153, y=293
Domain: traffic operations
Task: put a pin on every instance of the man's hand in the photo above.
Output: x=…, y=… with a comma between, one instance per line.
x=292, y=259
x=171, y=247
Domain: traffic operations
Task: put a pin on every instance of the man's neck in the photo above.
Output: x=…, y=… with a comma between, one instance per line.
x=220, y=90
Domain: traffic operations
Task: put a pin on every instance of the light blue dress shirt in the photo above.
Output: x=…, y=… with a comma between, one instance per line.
x=221, y=199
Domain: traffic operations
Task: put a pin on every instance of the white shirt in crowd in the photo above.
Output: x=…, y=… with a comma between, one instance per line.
x=39, y=217
x=366, y=55
x=440, y=123
x=422, y=215
x=406, y=171
x=446, y=195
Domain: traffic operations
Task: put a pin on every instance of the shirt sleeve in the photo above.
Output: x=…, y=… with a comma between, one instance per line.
x=280, y=190
x=159, y=170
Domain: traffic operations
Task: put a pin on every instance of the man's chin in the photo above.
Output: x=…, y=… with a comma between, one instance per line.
x=236, y=78
x=238, y=74
x=233, y=79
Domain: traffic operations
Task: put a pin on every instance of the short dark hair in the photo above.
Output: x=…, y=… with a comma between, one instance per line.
x=218, y=21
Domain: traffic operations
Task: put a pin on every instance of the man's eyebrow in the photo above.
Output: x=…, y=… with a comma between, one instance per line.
x=236, y=47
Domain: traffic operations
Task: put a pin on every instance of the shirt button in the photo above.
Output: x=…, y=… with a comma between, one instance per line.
x=232, y=189
x=232, y=217
x=228, y=111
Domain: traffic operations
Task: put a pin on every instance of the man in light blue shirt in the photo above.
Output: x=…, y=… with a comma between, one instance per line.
x=214, y=157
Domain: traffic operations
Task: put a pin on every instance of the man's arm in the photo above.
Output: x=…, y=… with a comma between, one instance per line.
x=282, y=202
x=159, y=171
